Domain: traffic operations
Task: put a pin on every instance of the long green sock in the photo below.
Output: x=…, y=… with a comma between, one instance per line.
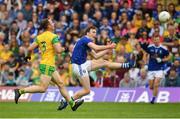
x=71, y=102
x=21, y=91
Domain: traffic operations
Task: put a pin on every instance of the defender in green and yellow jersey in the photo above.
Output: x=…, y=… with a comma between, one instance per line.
x=49, y=45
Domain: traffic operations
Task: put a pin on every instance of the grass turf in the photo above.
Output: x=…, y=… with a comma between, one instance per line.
x=89, y=110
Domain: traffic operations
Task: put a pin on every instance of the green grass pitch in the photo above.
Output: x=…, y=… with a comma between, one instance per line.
x=89, y=110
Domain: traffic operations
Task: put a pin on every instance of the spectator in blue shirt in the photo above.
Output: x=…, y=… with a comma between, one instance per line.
x=156, y=12
x=106, y=26
x=129, y=11
x=172, y=10
x=27, y=11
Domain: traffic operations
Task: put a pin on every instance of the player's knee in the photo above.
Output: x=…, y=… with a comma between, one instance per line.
x=60, y=84
x=156, y=85
x=43, y=89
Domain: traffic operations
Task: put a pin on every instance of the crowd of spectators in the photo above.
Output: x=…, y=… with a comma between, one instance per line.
x=123, y=21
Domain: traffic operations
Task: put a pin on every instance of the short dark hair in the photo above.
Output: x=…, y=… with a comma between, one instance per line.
x=44, y=24
x=89, y=28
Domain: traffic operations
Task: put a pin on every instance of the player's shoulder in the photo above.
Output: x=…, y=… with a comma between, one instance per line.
x=87, y=38
x=84, y=39
x=46, y=35
x=151, y=45
x=38, y=37
x=163, y=47
x=53, y=35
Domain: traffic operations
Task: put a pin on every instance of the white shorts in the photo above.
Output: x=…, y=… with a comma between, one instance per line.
x=155, y=74
x=81, y=70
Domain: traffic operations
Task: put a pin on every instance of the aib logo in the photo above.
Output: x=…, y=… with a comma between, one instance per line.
x=125, y=96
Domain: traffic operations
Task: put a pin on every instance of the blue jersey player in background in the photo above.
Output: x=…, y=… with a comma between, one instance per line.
x=82, y=66
x=158, y=56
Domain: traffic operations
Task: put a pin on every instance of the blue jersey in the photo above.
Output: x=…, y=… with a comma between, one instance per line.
x=155, y=52
x=79, y=54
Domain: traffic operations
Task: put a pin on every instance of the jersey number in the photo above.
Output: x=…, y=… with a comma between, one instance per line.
x=43, y=45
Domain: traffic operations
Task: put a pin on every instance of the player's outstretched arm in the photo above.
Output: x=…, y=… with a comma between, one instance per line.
x=99, y=54
x=101, y=47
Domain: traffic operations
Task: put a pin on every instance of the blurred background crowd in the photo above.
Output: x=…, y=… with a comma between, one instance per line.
x=124, y=21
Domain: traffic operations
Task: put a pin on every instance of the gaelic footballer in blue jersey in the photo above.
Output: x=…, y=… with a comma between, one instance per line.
x=82, y=66
x=158, y=56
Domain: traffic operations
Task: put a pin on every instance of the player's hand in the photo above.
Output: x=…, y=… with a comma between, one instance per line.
x=27, y=58
x=159, y=60
x=112, y=45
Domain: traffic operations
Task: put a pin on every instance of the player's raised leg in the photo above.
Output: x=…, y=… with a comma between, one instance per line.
x=95, y=64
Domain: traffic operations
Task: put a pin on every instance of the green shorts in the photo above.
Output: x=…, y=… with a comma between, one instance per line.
x=46, y=69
